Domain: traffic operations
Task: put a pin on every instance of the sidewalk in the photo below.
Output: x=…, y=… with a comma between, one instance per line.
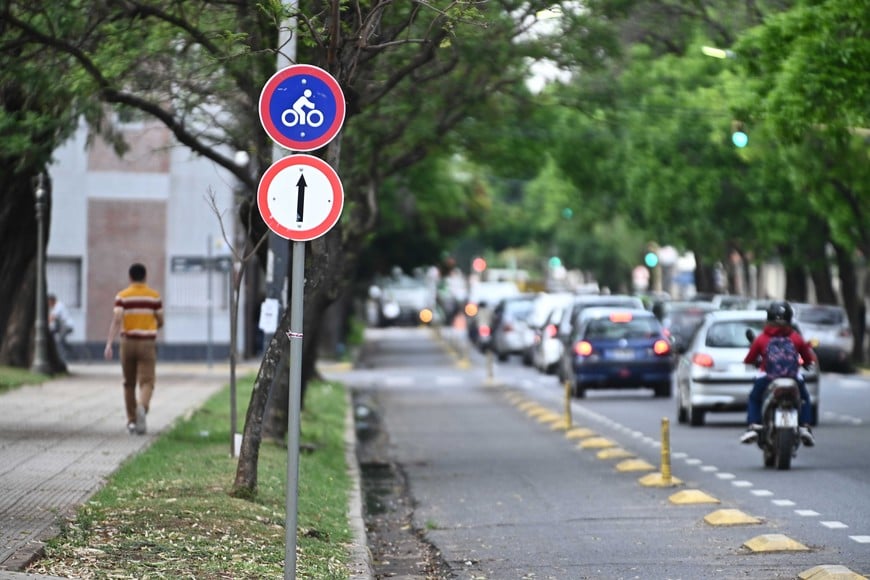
x=61, y=440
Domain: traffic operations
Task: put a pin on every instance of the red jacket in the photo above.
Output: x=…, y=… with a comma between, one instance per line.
x=755, y=356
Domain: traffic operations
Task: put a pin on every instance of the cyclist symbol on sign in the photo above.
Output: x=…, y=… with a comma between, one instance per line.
x=298, y=116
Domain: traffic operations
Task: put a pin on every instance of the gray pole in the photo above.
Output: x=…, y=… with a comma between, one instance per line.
x=279, y=248
x=209, y=265
x=40, y=356
x=294, y=404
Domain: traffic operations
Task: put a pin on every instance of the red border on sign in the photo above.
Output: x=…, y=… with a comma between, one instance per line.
x=331, y=219
x=269, y=89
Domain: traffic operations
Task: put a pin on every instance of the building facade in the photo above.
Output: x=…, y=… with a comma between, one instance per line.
x=152, y=205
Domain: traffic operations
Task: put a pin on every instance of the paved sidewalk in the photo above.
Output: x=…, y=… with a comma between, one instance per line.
x=61, y=440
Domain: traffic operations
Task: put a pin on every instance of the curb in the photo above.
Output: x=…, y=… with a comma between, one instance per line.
x=360, y=558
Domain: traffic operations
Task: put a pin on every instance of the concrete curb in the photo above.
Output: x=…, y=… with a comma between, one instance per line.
x=360, y=564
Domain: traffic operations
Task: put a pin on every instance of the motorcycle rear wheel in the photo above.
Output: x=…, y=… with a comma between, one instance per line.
x=785, y=439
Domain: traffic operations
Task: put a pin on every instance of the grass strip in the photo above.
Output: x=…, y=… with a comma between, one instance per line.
x=167, y=512
x=12, y=378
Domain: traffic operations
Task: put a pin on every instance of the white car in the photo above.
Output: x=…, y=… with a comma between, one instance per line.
x=711, y=377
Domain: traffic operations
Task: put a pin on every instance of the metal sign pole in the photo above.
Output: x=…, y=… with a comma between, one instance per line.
x=293, y=416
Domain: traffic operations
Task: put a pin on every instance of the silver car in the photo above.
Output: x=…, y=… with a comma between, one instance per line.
x=827, y=327
x=711, y=376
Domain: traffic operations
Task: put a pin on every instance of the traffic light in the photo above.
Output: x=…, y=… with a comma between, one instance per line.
x=478, y=265
x=738, y=134
x=651, y=259
x=555, y=262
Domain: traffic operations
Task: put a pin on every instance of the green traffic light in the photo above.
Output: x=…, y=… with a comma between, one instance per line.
x=739, y=138
x=651, y=259
x=555, y=262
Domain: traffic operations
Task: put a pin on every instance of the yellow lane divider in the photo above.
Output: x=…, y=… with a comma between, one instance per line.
x=774, y=543
x=730, y=517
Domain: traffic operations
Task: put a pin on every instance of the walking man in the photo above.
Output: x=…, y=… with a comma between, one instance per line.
x=138, y=314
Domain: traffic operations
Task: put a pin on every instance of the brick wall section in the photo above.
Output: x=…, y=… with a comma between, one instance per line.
x=148, y=151
x=120, y=233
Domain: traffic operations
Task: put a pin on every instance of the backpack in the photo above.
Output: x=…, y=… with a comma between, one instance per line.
x=781, y=358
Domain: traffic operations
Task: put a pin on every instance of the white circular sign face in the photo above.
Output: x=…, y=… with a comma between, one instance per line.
x=300, y=197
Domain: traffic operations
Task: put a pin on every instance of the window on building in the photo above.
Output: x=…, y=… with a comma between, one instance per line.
x=188, y=285
x=63, y=278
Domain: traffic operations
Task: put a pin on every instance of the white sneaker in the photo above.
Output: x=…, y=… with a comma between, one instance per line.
x=806, y=436
x=751, y=434
x=140, y=420
x=131, y=428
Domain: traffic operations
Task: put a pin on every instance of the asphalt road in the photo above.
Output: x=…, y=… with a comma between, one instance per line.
x=503, y=495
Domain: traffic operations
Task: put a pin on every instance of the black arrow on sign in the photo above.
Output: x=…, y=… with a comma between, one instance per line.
x=300, y=197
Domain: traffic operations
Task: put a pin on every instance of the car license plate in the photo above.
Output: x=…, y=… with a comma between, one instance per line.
x=622, y=354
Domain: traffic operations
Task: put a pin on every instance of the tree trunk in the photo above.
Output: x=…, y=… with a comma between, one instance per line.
x=18, y=230
x=245, y=485
x=705, y=279
x=278, y=404
x=820, y=272
x=795, y=284
x=851, y=301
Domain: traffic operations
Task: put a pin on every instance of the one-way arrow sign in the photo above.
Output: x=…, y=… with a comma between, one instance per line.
x=315, y=208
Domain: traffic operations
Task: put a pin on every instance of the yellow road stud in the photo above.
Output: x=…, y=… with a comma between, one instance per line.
x=774, y=543
x=691, y=496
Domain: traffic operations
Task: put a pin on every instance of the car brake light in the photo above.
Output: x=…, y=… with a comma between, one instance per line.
x=551, y=330
x=845, y=333
x=702, y=360
x=661, y=347
x=507, y=327
x=583, y=348
x=620, y=317
x=483, y=331
x=471, y=309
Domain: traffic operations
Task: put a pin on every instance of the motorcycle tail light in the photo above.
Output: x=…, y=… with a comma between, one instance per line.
x=551, y=330
x=661, y=347
x=483, y=331
x=583, y=348
x=702, y=359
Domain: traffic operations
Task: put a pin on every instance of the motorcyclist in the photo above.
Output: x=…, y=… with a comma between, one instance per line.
x=779, y=318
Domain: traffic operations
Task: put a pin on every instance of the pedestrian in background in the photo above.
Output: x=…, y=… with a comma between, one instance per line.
x=59, y=325
x=138, y=314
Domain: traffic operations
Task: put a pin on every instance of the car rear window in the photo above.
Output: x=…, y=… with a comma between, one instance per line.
x=606, y=329
x=732, y=334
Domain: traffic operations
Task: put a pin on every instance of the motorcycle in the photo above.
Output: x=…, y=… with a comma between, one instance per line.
x=779, y=438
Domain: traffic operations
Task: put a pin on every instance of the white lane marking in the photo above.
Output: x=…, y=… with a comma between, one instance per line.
x=399, y=381
x=861, y=539
x=692, y=461
x=834, y=525
x=679, y=455
x=449, y=381
x=783, y=502
x=725, y=475
x=709, y=468
x=741, y=483
x=763, y=493
x=807, y=513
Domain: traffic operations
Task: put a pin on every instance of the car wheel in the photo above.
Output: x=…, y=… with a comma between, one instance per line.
x=696, y=417
x=682, y=415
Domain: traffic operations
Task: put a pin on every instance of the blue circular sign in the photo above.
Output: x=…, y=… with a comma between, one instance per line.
x=302, y=107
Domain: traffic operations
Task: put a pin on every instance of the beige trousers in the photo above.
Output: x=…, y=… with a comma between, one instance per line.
x=138, y=363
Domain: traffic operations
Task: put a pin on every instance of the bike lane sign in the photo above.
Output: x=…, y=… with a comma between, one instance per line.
x=300, y=197
x=302, y=107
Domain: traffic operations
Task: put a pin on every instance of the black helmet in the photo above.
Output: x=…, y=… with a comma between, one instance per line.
x=780, y=312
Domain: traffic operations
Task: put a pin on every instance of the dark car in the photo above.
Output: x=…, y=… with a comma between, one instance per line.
x=618, y=348
x=682, y=319
x=567, y=325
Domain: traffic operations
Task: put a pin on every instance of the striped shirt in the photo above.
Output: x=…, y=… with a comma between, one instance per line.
x=139, y=306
